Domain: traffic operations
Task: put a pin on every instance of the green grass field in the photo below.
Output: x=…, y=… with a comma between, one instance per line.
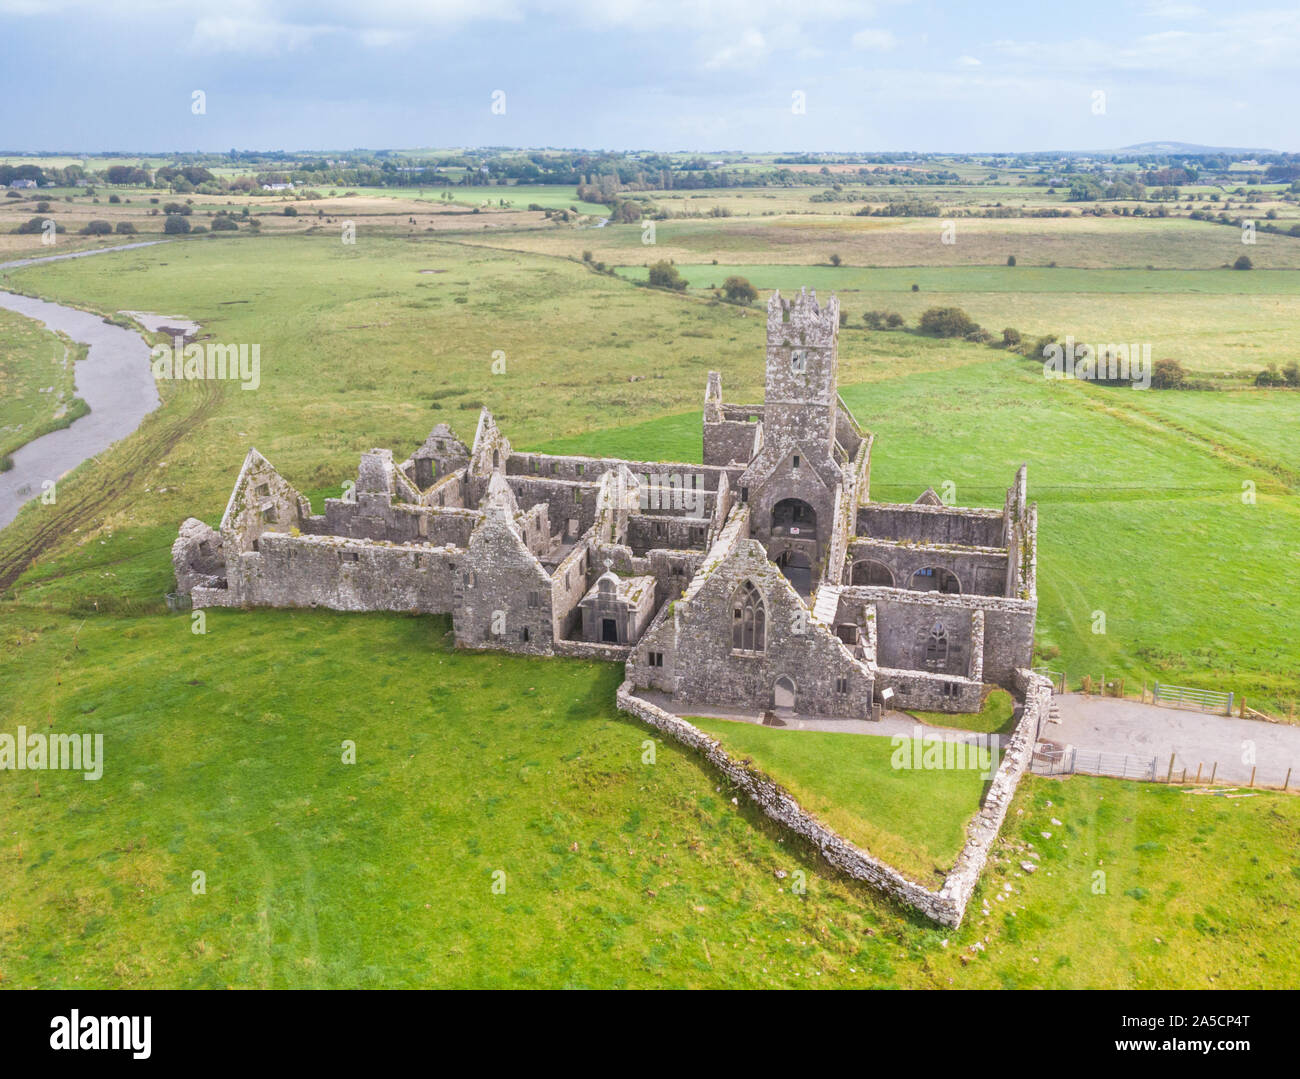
x=37, y=387
x=994, y=717
x=224, y=749
x=913, y=819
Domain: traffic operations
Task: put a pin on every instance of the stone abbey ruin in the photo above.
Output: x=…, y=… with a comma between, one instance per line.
x=763, y=579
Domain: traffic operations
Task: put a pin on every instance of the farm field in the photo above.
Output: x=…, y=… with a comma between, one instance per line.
x=1107, y=243
x=226, y=759
x=227, y=745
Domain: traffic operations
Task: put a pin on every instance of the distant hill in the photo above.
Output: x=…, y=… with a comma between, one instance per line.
x=1161, y=147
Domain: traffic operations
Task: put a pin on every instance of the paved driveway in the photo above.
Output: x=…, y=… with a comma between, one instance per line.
x=1194, y=738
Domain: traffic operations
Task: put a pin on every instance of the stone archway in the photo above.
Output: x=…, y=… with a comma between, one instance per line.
x=783, y=693
x=936, y=579
x=795, y=518
x=867, y=571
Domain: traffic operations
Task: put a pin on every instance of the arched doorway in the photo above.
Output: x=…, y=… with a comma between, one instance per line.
x=797, y=569
x=936, y=579
x=794, y=517
x=870, y=572
x=783, y=693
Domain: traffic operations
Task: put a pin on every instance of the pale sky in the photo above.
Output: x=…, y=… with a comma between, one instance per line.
x=102, y=75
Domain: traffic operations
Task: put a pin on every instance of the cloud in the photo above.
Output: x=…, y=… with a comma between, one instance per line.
x=746, y=52
x=1167, y=9
x=967, y=61
x=878, y=40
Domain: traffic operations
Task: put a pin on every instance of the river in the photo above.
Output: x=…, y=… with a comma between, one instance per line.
x=115, y=380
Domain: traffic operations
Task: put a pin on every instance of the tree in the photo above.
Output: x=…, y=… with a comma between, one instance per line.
x=97, y=228
x=947, y=322
x=1010, y=337
x=835, y=260
x=224, y=224
x=176, y=225
x=663, y=274
x=1270, y=376
x=875, y=320
x=894, y=320
x=1167, y=375
x=739, y=290
x=1243, y=263
x=1011, y=260
x=125, y=228
x=291, y=211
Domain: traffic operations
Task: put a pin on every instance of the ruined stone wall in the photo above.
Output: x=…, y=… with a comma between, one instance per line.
x=399, y=523
x=948, y=905
x=501, y=592
x=927, y=692
x=705, y=667
x=645, y=532
x=980, y=570
x=931, y=524
x=565, y=501
x=569, y=583
x=262, y=499
x=342, y=575
x=731, y=441
x=1008, y=625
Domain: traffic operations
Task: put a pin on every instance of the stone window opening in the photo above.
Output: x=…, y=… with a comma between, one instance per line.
x=656, y=659
x=841, y=685
x=744, y=494
x=796, y=460
x=263, y=490
x=496, y=458
x=936, y=648
x=523, y=634
x=534, y=599
x=577, y=495
x=269, y=516
x=748, y=620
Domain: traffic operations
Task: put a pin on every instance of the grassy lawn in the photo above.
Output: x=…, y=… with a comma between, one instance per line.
x=37, y=388
x=913, y=819
x=223, y=750
x=994, y=716
x=223, y=755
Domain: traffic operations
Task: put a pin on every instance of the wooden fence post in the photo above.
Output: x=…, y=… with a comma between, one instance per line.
x=1287, y=782
x=1214, y=773
x=1252, y=774
x=1170, y=774
x=1199, y=766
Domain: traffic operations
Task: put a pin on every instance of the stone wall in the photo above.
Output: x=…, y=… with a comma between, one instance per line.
x=931, y=524
x=340, y=574
x=1008, y=625
x=948, y=905
x=980, y=570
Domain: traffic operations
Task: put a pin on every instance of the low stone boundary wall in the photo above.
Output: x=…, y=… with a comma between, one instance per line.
x=611, y=653
x=946, y=906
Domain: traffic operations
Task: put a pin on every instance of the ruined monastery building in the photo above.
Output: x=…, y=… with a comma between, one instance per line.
x=764, y=578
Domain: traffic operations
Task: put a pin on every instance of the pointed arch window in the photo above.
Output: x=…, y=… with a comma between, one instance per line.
x=748, y=619
x=936, y=648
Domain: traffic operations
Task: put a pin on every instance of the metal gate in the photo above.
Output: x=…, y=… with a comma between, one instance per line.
x=1205, y=700
x=1053, y=760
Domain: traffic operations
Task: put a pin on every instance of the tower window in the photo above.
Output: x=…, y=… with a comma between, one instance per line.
x=796, y=460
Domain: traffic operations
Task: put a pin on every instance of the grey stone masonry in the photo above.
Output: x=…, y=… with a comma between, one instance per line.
x=764, y=577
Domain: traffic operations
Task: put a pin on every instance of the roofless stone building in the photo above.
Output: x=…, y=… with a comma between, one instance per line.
x=764, y=577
